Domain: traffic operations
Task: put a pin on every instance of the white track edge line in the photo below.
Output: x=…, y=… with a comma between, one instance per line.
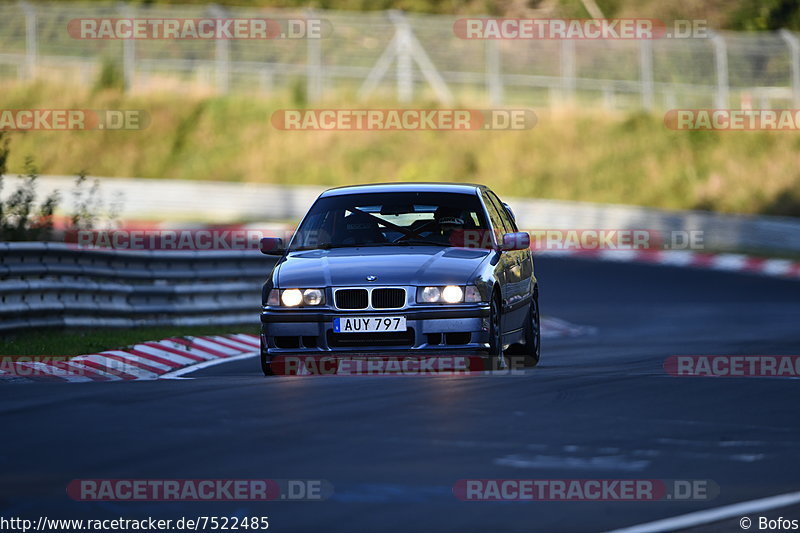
x=713, y=515
x=205, y=364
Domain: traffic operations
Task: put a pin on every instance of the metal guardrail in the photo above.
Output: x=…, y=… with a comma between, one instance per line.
x=720, y=232
x=54, y=284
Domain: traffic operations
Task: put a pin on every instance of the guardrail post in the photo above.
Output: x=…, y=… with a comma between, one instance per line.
x=494, y=76
x=609, y=97
x=31, y=42
x=405, y=79
x=646, y=68
x=128, y=54
x=266, y=79
x=794, y=49
x=721, y=63
x=221, y=54
x=313, y=67
x=568, y=69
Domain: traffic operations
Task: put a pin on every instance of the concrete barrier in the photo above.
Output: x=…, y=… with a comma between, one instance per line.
x=224, y=201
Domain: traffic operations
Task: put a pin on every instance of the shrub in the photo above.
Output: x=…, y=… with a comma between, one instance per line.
x=21, y=219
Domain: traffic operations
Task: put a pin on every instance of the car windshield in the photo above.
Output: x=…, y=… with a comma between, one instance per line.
x=394, y=219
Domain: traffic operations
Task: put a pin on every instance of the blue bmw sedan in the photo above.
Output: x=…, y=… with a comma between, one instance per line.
x=420, y=268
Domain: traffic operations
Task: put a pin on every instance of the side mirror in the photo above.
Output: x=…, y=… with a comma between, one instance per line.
x=520, y=240
x=271, y=246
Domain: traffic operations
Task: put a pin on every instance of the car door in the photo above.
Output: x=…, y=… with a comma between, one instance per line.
x=520, y=269
x=525, y=257
x=526, y=260
x=504, y=265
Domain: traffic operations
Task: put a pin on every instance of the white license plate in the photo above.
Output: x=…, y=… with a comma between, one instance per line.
x=368, y=324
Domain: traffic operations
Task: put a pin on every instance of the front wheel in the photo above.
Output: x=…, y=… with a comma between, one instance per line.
x=533, y=336
x=527, y=352
x=497, y=360
x=266, y=367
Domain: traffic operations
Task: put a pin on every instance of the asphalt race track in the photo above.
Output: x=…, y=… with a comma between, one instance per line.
x=599, y=406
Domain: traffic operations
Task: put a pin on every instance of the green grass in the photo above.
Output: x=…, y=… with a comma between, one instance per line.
x=596, y=156
x=57, y=342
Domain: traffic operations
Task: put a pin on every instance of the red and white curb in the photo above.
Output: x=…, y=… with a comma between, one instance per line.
x=146, y=361
x=779, y=268
x=174, y=357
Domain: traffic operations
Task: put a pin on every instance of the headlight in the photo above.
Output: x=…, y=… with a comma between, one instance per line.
x=295, y=297
x=429, y=295
x=452, y=294
x=312, y=296
x=292, y=297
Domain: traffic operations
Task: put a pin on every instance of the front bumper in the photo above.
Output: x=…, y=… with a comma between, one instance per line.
x=453, y=329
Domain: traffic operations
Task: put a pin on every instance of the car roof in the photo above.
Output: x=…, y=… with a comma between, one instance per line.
x=418, y=186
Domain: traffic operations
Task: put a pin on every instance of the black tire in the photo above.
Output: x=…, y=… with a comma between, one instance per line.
x=533, y=334
x=265, y=366
x=496, y=359
x=527, y=353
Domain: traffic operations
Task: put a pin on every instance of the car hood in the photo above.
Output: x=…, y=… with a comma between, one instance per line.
x=412, y=265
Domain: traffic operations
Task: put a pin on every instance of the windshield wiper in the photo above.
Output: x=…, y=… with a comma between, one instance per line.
x=417, y=242
x=406, y=242
x=326, y=246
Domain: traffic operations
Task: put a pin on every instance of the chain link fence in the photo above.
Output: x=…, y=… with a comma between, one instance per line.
x=403, y=57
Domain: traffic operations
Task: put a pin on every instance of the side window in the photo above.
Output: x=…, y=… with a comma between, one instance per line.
x=508, y=221
x=497, y=211
x=498, y=224
x=511, y=222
